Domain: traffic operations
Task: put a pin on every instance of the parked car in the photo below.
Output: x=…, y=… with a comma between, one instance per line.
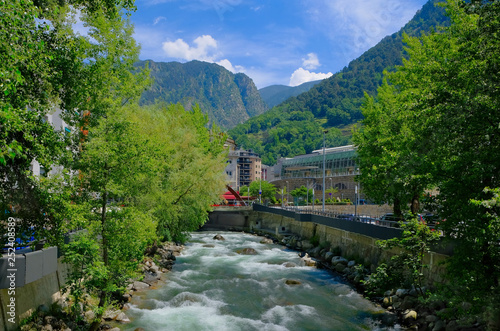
x=347, y=217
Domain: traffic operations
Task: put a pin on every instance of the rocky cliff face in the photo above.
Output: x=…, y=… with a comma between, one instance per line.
x=228, y=99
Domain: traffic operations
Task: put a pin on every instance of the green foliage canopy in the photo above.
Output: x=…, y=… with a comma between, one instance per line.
x=443, y=104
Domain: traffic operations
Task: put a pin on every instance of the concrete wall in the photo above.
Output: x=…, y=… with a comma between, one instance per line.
x=42, y=291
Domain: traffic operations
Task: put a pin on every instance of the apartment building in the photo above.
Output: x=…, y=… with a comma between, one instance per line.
x=243, y=167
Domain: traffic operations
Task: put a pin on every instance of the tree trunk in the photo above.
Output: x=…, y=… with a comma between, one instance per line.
x=397, y=208
x=105, y=258
x=415, y=204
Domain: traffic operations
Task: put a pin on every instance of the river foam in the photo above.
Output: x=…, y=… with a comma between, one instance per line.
x=213, y=287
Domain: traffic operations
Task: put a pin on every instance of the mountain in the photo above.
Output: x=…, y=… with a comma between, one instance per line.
x=296, y=126
x=276, y=94
x=228, y=99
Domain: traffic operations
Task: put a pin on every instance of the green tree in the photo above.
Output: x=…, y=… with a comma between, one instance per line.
x=447, y=87
x=406, y=268
x=190, y=160
x=446, y=98
x=112, y=165
x=392, y=168
x=268, y=189
x=302, y=192
x=46, y=66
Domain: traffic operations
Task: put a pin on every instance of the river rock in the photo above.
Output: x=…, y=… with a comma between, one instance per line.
x=339, y=267
x=219, y=237
x=248, y=251
x=315, y=252
x=89, y=316
x=289, y=265
x=122, y=318
x=389, y=319
x=351, y=264
x=409, y=302
x=292, y=282
x=209, y=245
x=409, y=317
x=306, y=245
x=439, y=326
x=328, y=256
x=387, y=302
x=339, y=259
x=266, y=241
x=137, y=286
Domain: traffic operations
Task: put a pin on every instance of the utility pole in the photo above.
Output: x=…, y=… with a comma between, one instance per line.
x=324, y=168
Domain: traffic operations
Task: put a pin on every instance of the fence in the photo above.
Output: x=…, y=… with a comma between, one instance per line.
x=370, y=227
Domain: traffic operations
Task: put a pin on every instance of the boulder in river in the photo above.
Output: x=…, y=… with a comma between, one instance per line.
x=247, y=251
x=292, y=282
x=266, y=241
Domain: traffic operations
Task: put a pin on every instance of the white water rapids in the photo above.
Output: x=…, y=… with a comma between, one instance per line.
x=212, y=287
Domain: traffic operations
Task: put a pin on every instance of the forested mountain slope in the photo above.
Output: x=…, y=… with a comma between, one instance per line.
x=275, y=94
x=296, y=126
x=228, y=99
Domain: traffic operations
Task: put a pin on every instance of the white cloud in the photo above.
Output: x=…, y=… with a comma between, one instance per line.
x=302, y=75
x=311, y=62
x=205, y=49
x=360, y=24
x=159, y=19
x=229, y=66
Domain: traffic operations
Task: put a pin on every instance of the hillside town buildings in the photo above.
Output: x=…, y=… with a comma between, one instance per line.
x=243, y=167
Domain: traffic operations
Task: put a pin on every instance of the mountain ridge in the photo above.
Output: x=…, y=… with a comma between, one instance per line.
x=296, y=126
x=273, y=95
x=228, y=99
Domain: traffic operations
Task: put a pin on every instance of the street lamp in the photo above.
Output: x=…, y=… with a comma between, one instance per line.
x=356, y=201
x=287, y=193
x=307, y=194
x=282, y=202
x=238, y=180
x=260, y=191
x=324, y=167
x=331, y=189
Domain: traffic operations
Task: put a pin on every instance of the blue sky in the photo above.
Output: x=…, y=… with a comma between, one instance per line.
x=284, y=42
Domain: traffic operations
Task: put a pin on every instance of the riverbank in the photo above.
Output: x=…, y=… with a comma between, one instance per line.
x=404, y=305
x=159, y=260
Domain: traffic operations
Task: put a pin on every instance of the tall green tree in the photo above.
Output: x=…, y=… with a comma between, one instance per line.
x=111, y=167
x=268, y=190
x=302, y=192
x=447, y=96
x=47, y=66
x=390, y=153
x=189, y=160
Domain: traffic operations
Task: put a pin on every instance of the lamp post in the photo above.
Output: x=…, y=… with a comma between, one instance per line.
x=238, y=178
x=331, y=189
x=248, y=195
x=282, y=202
x=260, y=191
x=356, y=201
x=324, y=168
x=287, y=193
x=307, y=193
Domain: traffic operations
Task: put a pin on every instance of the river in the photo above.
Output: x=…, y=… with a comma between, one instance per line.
x=213, y=287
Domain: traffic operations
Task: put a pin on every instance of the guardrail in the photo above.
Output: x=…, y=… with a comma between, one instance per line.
x=367, y=226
